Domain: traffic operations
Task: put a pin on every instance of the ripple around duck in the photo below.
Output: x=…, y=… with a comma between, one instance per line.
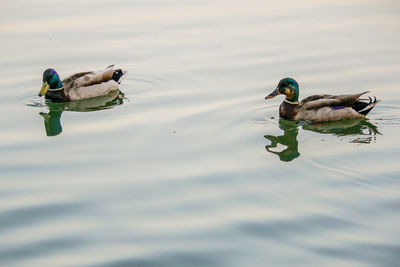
x=387, y=114
x=34, y=101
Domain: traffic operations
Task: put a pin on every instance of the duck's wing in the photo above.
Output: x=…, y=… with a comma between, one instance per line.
x=94, y=90
x=319, y=101
x=69, y=82
x=312, y=98
x=84, y=79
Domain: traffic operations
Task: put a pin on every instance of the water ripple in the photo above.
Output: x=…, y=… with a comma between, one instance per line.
x=17, y=218
x=286, y=230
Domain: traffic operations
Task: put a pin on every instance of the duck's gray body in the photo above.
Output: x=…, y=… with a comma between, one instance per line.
x=320, y=108
x=82, y=85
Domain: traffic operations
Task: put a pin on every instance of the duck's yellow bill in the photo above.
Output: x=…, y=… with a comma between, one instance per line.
x=44, y=89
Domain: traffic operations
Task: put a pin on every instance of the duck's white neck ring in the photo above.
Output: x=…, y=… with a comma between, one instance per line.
x=293, y=103
x=57, y=89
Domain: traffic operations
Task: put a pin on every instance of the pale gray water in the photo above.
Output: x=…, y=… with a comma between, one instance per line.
x=179, y=174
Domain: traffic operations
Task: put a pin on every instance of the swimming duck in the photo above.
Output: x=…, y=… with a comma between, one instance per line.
x=320, y=108
x=81, y=85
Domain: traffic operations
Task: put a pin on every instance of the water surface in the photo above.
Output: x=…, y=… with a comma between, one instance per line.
x=193, y=167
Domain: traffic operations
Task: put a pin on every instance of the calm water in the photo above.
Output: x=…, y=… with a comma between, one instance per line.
x=193, y=167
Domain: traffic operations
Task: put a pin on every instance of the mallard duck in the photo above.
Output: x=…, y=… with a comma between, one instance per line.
x=320, y=108
x=81, y=85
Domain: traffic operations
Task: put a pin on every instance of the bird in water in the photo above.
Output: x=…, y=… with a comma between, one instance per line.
x=320, y=108
x=82, y=85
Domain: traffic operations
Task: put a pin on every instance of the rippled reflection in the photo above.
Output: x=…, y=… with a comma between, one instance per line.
x=288, y=139
x=52, y=119
x=359, y=131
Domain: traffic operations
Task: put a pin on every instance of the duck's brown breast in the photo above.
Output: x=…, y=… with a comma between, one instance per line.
x=288, y=110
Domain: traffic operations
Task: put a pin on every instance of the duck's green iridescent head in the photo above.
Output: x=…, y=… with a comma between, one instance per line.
x=288, y=87
x=51, y=80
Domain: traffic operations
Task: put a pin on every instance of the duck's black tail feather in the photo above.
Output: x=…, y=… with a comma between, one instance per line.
x=365, y=107
x=118, y=75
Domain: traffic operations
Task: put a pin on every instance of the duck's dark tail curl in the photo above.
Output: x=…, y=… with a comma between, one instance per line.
x=118, y=75
x=365, y=107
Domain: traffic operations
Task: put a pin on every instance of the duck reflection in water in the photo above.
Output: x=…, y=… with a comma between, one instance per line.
x=360, y=130
x=288, y=139
x=52, y=119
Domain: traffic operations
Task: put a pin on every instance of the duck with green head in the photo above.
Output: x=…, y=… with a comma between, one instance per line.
x=82, y=85
x=320, y=108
